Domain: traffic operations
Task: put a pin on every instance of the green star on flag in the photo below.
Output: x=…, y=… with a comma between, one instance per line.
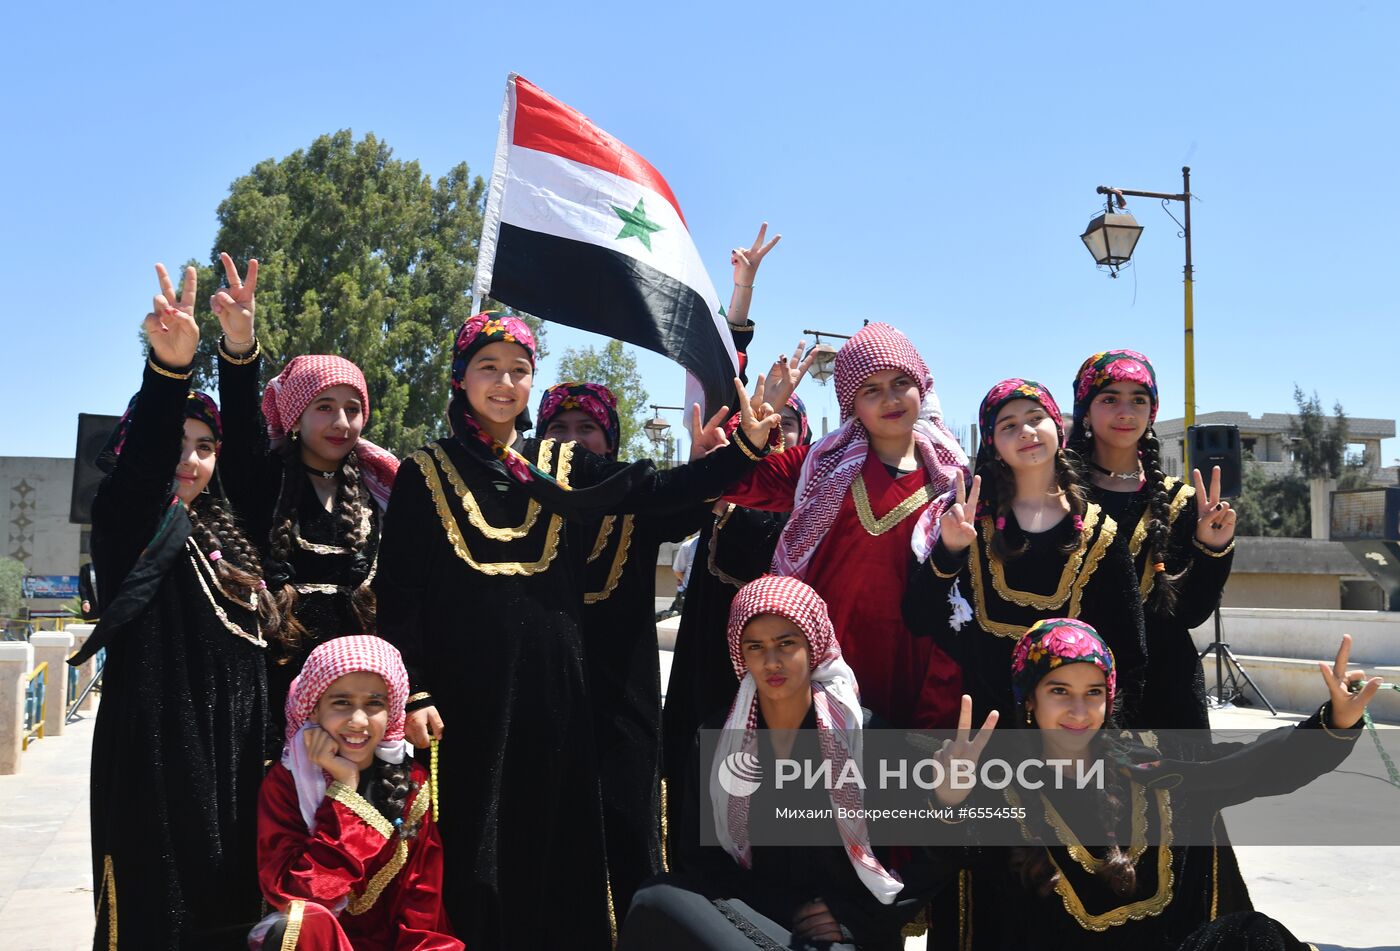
x=636, y=224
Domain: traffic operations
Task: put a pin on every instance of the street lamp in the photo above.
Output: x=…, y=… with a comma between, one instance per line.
x=1111, y=238
x=657, y=428
x=824, y=364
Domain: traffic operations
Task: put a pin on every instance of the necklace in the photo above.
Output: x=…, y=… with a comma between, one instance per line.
x=311, y=470
x=1134, y=476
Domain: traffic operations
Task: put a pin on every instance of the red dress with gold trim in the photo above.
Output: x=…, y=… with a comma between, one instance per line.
x=353, y=884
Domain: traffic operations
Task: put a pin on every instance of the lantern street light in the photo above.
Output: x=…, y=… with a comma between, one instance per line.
x=657, y=428
x=1111, y=238
x=824, y=364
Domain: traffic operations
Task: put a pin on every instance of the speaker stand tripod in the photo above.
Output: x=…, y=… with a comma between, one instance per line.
x=1228, y=673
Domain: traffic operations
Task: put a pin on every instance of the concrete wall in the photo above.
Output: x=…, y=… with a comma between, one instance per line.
x=35, y=492
x=1322, y=592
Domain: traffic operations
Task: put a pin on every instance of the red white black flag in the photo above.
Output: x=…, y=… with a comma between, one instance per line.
x=583, y=231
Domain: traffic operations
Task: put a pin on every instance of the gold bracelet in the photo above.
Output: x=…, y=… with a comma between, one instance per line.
x=1211, y=551
x=421, y=695
x=169, y=374
x=1324, y=713
x=242, y=361
x=743, y=443
x=939, y=572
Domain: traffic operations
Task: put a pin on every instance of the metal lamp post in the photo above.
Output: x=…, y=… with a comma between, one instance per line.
x=657, y=428
x=1111, y=238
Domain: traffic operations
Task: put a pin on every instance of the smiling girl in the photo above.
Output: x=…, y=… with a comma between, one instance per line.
x=310, y=486
x=348, y=852
x=1181, y=536
x=179, y=735
x=1113, y=867
x=1023, y=543
x=862, y=499
x=480, y=578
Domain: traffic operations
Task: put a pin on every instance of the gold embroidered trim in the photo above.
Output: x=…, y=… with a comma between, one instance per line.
x=1132, y=911
x=949, y=576
x=360, y=806
x=108, y=889
x=1108, y=529
x=358, y=905
x=454, y=531
x=1211, y=551
x=169, y=374
x=295, y=911
x=244, y=360
x=1087, y=860
x=1029, y=599
x=604, y=532
x=1139, y=535
x=420, y=695
x=1324, y=714
x=714, y=567
x=207, y=568
x=665, y=849
x=229, y=625
x=624, y=543
x=319, y=549
x=743, y=442
x=879, y=526
x=474, y=513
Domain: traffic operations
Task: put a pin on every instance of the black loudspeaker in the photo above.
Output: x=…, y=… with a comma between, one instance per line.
x=1217, y=444
x=93, y=432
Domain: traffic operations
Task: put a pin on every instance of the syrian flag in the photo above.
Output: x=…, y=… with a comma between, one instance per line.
x=583, y=231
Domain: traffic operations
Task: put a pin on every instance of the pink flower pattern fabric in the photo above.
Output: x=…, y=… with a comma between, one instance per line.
x=1052, y=643
x=1016, y=388
x=1112, y=366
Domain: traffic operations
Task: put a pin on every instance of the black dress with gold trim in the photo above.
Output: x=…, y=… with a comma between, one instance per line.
x=1172, y=660
x=324, y=571
x=177, y=754
x=481, y=589
x=624, y=682
x=1180, y=900
x=1094, y=583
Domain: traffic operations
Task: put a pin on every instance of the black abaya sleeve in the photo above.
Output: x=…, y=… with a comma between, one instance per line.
x=400, y=586
x=668, y=490
x=245, y=464
x=133, y=497
x=1200, y=589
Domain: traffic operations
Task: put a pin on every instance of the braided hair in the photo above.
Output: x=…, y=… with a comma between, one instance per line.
x=999, y=490
x=1032, y=863
x=350, y=496
x=1165, y=586
x=389, y=789
x=237, y=567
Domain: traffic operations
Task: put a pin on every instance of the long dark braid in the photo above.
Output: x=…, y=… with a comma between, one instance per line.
x=349, y=497
x=277, y=568
x=1162, y=597
x=388, y=791
x=999, y=489
x=1032, y=863
x=237, y=567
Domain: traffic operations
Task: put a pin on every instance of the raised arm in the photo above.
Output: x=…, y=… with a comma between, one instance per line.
x=244, y=462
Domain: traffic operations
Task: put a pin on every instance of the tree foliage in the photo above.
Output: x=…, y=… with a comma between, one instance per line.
x=1275, y=506
x=362, y=255
x=614, y=366
x=1319, y=442
x=11, y=587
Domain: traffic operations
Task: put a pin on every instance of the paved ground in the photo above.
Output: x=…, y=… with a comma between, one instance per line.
x=1338, y=899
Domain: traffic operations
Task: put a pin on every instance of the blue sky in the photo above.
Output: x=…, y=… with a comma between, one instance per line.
x=927, y=164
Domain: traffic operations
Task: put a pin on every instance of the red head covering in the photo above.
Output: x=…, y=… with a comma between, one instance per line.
x=300, y=382
x=874, y=348
x=337, y=657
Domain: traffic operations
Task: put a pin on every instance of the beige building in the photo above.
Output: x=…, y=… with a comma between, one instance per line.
x=1265, y=439
x=35, y=501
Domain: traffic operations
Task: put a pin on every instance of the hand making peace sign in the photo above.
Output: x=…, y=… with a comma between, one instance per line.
x=707, y=435
x=1346, y=706
x=754, y=426
x=234, y=305
x=1215, y=520
x=963, y=747
x=170, y=326
x=747, y=260
x=782, y=379
x=958, y=526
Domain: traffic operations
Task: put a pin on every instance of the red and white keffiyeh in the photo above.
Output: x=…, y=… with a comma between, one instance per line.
x=330, y=661
x=301, y=381
x=834, y=462
x=836, y=699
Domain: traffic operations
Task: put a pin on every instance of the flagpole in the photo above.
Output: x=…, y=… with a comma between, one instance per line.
x=495, y=191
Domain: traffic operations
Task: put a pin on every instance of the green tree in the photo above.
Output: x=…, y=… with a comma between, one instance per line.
x=1275, y=506
x=1319, y=442
x=614, y=366
x=362, y=255
x=11, y=587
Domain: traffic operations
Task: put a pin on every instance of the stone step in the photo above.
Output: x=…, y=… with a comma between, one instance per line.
x=1294, y=685
x=1281, y=632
